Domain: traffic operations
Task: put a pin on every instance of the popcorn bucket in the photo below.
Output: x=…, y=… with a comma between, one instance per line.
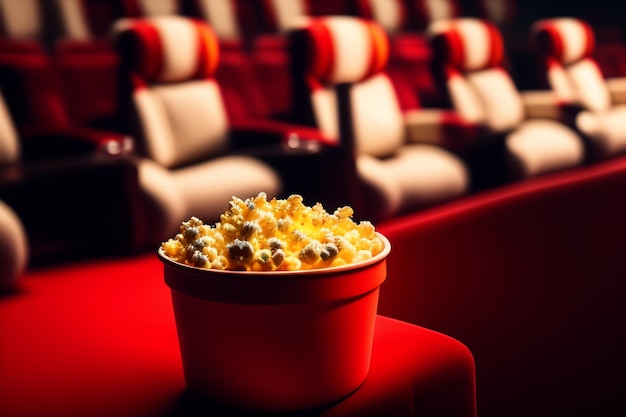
x=275, y=341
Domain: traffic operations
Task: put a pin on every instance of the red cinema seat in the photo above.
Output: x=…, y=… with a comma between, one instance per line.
x=400, y=165
x=469, y=57
x=195, y=154
x=566, y=46
x=145, y=8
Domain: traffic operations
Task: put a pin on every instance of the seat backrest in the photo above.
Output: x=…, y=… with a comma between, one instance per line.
x=469, y=54
x=86, y=19
x=145, y=8
x=224, y=16
x=349, y=50
x=501, y=12
x=14, y=248
x=392, y=15
x=426, y=12
x=171, y=61
x=566, y=46
x=279, y=15
x=10, y=150
x=21, y=19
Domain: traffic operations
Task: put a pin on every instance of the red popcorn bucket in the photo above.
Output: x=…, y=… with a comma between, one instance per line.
x=276, y=341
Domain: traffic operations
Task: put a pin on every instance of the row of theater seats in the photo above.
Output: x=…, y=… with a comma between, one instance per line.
x=354, y=133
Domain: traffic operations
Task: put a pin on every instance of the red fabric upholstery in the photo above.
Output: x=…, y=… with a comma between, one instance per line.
x=410, y=54
x=98, y=338
x=89, y=77
x=530, y=277
x=82, y=65
x=31, y=85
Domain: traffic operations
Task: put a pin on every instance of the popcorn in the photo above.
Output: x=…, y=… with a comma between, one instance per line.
x=280, y=234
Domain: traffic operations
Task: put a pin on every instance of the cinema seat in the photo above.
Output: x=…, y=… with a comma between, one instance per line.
x=195, y=156
x=469, y=58
x=566, y=48
x=342, y=88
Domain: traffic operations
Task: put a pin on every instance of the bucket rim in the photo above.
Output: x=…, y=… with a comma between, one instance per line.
x=287, y=273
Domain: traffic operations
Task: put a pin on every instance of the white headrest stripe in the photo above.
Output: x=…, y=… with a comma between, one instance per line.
x=179, y=39
x=353, y=49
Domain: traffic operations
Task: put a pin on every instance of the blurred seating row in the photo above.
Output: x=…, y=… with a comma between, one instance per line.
x=345, y=96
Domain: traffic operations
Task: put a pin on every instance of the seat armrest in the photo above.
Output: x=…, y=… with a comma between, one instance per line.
x=255, y=133
x=441, y=127
x=542, y=104
x=617, y=89
x=53, y=143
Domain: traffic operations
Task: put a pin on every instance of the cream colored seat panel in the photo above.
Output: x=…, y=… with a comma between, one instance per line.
x=71, y=16
x=163, y=202
x=378, y=129
x=159, y=7
x=606, y=130
x=439, y=10
x=324, y=102
x=162, y=113
x=499, y=97
x=540, y=146
x=287, y=12
x=207, y=187
x=617, y=88
x=465, y=100
x=14, y=250
x=10, y=151
x=388, y=14
x=222, y=17
x=21, y=18
x=589, y=85
x=374, y=175
x=427, y=174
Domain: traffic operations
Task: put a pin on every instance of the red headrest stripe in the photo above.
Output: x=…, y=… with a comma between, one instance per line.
x=321, y=59
x=550, y=40
x=496, y=47
x=554, y=44
x=589, y=37
x=150, y=61
x=208, y=54
x=380, y=50
x=455, y=51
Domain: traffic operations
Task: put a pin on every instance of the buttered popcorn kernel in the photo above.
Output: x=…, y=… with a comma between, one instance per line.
x=280, y=234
